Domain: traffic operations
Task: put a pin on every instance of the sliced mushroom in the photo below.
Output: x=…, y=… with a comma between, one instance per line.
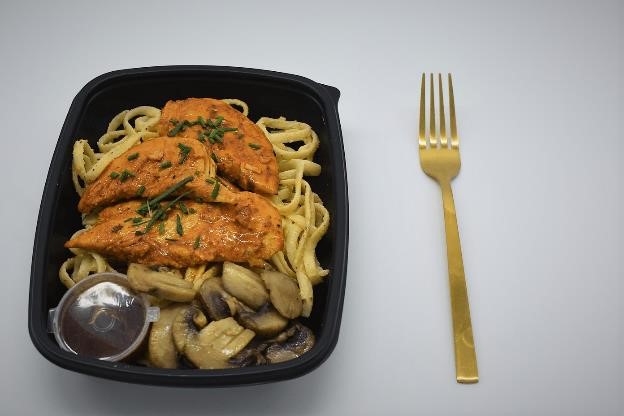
x=284, y=293
x=245, y=285
x=293, y=343
x=266, y=322
x=217, y=343
x=215, y=300
x=162, y=352
x=248, y=358
x=162, y=283
x=199, y=319
x=184, y=326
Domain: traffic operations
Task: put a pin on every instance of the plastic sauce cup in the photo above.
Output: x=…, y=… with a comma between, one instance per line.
x=102, y=317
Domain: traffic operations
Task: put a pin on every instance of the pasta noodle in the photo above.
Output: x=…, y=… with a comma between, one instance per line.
x=304, y=218
x=120, y=136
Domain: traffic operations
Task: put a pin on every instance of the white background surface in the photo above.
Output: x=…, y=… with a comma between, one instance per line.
x=539, y=198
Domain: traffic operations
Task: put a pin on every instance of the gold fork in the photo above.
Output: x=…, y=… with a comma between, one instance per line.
x=439, y=159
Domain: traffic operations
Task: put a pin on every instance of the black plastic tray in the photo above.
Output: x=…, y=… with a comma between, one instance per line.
x=268, y=94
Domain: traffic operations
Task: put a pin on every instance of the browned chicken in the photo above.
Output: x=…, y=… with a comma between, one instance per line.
x=188, y=235
x=243, y=152
x=150, y=168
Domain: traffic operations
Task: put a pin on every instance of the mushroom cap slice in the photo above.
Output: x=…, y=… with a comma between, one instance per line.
x=213, y=298
x=183, y=326
x=266, y=322
x=162, y=283
x=217, y=343
x=248, y=357
x=293, y=343
x=245, y=285
x=162, y=352
x=284, y=293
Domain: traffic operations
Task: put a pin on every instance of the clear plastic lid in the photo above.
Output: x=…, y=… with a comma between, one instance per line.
x=102, y=317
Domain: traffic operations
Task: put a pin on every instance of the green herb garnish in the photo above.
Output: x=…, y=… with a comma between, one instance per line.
x=214, y=157
x=179, y=228
x=140, y=191
x=183, y=208
x=196, y=243
x=215, y=190
x=114, y=175
x=177, y=128
x=166, y=164
x=184, y=152
x=192, y=210
x=161, y=228
x=133, y=156
x=144, y=209
x=254, y=146
x=125, y=175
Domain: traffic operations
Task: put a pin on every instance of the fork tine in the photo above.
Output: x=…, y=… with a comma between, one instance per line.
x=422, y=139
x=443, y=142
x=454, y=138
x=433, y=137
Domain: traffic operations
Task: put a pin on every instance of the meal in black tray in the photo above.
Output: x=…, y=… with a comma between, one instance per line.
x=192, y=240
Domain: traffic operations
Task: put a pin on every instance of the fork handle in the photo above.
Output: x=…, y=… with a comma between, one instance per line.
x=465, y=355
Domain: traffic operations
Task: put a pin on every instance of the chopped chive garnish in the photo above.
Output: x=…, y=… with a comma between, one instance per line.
x=141, y=190
x=138, y=232
x=214, y=157
x=192, y=210
x=199, y=199
x=183, y=208
x=215, y=190
x=196, y=243
x=184, y=152
x=210, y=180
x=178, y=127
x=166, y=164
x=179, y=228
x=137, y=220
x=114, y=175
x=143, y=210
x=133, y=156
x=254, y=146
x=161, y=228
x=125, y=175
x=116, y=228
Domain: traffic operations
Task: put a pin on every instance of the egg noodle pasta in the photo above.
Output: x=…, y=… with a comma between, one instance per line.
x=304, y=218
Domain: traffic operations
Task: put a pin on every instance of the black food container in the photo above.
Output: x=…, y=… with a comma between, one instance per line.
x=268, y=94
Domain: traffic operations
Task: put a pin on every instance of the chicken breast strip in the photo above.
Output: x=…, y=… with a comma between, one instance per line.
x=150, y=168
x=242, y=151
x=188, y=235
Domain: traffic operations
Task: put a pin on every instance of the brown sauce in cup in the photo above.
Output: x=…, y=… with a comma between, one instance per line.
x=102, y=321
